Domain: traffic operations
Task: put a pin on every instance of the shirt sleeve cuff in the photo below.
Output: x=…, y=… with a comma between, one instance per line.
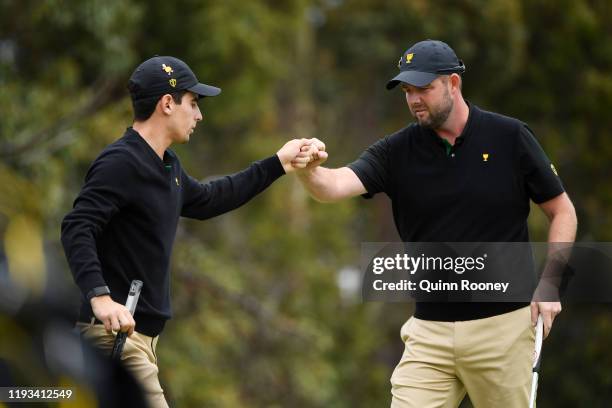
x=273, y=166
x=547, y=195
x=90, y=283
x=364, y=180
x=98, y=291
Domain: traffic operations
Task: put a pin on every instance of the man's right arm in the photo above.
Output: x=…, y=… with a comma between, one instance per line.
x=331, y=185
x=103, y=194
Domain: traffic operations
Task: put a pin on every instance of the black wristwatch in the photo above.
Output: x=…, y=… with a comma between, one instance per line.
x=98, y=291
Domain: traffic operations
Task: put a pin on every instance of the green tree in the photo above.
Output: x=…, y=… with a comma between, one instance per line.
x=259, y=318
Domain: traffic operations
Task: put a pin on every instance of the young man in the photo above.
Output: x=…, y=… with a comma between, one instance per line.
x=459, y=174
x=124, y=220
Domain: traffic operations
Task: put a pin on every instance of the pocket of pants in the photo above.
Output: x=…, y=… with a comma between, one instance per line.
x=531, y=325
x=153, y=348
x=97, y=336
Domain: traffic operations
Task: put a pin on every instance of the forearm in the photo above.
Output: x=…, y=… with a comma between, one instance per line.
x=563, y=227
x=561, y=235
x=321, y=184
x=79, y=245
x=203, y=201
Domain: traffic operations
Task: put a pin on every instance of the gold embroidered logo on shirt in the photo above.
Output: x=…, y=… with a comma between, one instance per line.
x=485, y=157
x=176, y=180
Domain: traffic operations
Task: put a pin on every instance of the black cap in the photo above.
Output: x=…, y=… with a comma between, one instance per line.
x=424, y=62
x=158, y=76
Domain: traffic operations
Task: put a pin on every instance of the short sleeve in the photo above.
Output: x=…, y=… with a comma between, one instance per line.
x=372, y=168
x=539, y=174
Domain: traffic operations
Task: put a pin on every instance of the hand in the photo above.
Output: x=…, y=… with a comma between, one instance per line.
x=291, y=155
x=114, y=315
x=316, y=151
x=549, y=311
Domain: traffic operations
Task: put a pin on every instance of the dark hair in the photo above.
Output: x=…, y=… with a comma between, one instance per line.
x=144, y=108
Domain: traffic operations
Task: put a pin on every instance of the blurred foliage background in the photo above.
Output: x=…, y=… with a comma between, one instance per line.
x=265, y=315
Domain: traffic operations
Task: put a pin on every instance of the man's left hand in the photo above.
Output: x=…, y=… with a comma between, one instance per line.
x=548, y=310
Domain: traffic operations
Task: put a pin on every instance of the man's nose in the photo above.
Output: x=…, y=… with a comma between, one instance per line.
x=413, y=98
x=199, y=115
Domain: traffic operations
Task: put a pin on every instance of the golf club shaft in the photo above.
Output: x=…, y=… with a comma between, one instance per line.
x=537, y=358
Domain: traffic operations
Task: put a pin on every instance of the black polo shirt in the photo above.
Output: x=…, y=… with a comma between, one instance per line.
x=476, y=191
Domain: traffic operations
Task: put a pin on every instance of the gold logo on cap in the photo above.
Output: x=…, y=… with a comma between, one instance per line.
x=554, y=170
x=172, y=82
x=167, y=69
x=485, y=157
x=409, y=58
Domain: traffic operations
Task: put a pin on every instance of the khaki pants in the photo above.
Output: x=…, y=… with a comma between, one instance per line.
x=489, y=358
x=138, y=357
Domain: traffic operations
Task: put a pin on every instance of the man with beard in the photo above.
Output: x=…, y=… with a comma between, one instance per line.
x=460, y=174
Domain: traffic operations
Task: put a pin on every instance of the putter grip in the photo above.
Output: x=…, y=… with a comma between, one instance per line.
x=130, y=304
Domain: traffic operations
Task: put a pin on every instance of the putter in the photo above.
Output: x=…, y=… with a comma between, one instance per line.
x=130, y=304
x=537, y=359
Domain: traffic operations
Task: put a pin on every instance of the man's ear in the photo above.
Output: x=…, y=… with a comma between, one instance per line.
x=455, y=81
x=166, y=104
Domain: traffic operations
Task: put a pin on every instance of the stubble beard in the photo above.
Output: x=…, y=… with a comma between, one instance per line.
x=436, y=117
